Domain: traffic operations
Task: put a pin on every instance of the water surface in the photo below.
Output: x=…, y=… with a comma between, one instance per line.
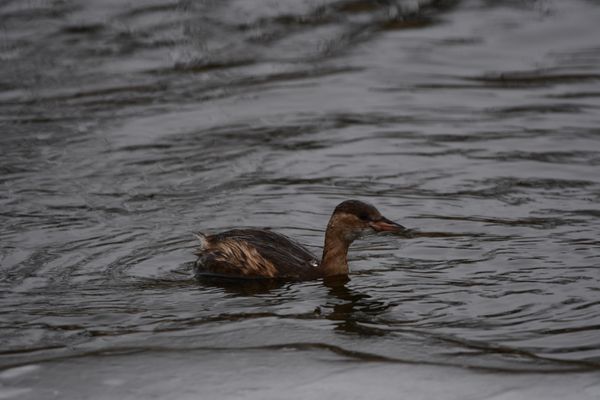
x=128, y=126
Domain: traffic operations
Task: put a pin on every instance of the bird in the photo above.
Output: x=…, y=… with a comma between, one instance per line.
x=264, y=254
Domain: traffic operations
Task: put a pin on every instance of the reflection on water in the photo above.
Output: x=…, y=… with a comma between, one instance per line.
x=127, y=127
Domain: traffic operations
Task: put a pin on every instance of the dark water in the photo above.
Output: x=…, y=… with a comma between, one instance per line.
x=126, y=126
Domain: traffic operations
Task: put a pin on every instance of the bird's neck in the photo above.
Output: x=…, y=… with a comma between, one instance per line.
x=335, y=251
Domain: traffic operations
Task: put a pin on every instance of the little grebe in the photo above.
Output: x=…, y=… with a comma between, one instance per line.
x=256, y=253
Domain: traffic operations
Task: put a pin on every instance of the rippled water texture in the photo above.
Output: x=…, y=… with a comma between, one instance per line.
x=126, y=126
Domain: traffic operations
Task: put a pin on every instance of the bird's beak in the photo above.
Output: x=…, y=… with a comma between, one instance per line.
x=385, y=225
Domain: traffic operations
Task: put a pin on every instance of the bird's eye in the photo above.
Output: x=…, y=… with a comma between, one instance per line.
x=363, y=216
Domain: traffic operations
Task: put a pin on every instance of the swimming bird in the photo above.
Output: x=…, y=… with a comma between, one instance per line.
x=263, y=254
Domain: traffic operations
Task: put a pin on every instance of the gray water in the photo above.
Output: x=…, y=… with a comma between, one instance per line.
x=126, y=126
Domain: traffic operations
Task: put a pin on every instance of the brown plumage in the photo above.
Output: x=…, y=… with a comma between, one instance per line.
x=257, y=253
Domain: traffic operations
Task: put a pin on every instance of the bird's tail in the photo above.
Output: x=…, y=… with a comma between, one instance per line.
x=203, y=240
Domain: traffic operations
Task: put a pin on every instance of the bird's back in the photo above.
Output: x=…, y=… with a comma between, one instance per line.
x=253, y=254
